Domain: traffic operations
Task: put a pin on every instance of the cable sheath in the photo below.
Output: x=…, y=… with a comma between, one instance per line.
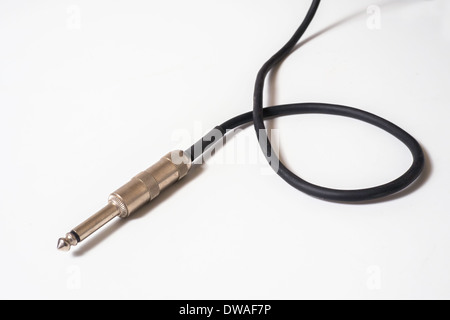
x=259, y=114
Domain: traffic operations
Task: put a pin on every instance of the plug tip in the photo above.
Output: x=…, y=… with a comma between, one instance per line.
x=63, y=245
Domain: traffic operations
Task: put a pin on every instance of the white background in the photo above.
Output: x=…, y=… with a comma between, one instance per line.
x=93, y=92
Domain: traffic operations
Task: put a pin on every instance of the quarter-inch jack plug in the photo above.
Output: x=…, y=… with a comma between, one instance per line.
x=141, y=189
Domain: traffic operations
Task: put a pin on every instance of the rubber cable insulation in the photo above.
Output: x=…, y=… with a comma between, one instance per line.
x=259, y=114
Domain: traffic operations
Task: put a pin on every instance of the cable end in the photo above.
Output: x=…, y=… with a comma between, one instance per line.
x=140, y=190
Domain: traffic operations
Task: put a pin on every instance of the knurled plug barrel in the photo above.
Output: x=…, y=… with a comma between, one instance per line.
x=141, y=189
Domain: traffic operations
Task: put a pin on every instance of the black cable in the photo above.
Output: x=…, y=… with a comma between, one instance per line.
x=259, y=114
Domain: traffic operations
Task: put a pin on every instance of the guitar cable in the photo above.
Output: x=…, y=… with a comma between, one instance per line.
x=148, y=184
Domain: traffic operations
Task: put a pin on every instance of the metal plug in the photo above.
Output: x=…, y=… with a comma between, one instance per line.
x=141, y=189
